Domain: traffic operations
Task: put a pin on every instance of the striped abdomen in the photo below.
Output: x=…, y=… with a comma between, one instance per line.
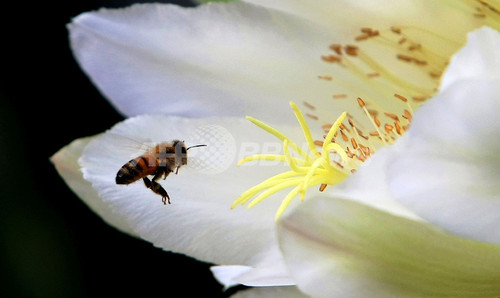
x=136, y=169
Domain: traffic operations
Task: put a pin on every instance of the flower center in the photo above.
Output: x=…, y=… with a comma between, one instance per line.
x=406, y=72
x=327, y=167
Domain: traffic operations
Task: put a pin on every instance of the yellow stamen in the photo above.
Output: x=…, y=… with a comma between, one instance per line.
x=305, y=128
x=306, y=170
x=277, y=134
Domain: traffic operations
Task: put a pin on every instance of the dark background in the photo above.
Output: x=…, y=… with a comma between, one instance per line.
x=51, y=244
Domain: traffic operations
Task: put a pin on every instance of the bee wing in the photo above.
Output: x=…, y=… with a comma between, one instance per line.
x=136, y=146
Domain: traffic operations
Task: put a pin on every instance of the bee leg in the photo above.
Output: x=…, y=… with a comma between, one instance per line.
x=165, y=198
x=147, y=182
x=156, y=187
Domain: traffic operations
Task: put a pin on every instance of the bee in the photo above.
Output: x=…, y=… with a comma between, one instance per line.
x=158, y=162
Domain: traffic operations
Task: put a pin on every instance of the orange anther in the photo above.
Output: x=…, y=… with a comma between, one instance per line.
x=361, y=102
x=404, y=99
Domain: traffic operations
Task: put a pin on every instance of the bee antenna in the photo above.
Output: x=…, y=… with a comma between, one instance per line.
x=195, y=146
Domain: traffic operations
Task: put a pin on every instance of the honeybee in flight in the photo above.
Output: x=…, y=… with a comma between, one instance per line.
x=159, y=162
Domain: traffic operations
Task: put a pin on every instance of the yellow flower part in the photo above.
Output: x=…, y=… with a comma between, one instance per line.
x=306, y=170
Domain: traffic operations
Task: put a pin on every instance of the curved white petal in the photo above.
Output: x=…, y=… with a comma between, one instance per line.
x=267, y=272
x=351, y=15
x=266, y=269
x=447, y=168
x=478, y=59
x=229, y=58
x=66, y=163
x=199, y=221
x=270, y=292
x=341, y=248
x=217, y=59
x=228, y=274
x=370, y=185
x=262, y=275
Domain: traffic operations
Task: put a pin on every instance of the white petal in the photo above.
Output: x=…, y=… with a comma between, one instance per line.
x=227, y=274
x=448, y=167
x=262, y=275
x=199, y=221
x=478, y=59
x=217, y=59
x=379, y=14
x=66, y=163
x=341, y=248
x=370, y=185
x=270, y=292
x=351, y=13
x=267, y=272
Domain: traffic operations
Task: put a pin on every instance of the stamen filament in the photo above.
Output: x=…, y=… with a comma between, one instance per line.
x=319, y=162
x=275, y=157
x=247, y=195
x=305, y=129
x=290, y=161
x=270, y=191
x=362, y=105
x=337, y=148
x=389, y=76
x=279, y=135
x=286, y=201
x=331, y=134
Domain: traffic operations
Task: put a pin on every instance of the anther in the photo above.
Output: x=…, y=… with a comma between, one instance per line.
x=349, y=153
x=419, y=98
x=392, y=116
x=404, y=99
x=396, y=30
x=354, y=143
x=388, y=128
x=326, y=127
x=404, y=58
x=362, y=37
x=331, y=59
x=398, y=128
x=361, y=102
x=308, y=105
x=414, y=47
x=351, y=50
x=314, y=117
x=325, y=77
x=344, y=137
x=339, y=96
x=337, y=48
x=407, y=115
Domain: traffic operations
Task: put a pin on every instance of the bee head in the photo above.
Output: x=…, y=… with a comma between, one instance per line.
x=180, y=153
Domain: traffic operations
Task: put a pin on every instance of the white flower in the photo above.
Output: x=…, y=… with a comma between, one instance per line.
x=209, y=66
x=445, y=169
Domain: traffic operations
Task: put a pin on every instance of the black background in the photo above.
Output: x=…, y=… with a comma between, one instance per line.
x=52, y=245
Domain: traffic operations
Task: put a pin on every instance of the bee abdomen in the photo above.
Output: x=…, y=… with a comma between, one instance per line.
x=131, y=171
